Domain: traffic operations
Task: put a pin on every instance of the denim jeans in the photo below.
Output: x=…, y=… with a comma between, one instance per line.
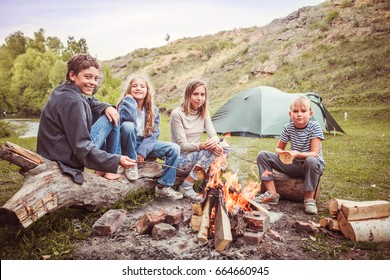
x=106, y=136
x=167, y=151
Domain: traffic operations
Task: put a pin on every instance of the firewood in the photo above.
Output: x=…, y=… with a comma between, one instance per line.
x=203, y=234
x=223, y=234
x=324, y=222
x=256, y=206
x=366, y=210
x=334, y=205
x=374, y=230
x=195, y=222
x=197, y=209
x=334, y=225
x=208, y=205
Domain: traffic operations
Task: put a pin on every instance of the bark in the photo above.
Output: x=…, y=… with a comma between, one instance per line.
x=46, y=189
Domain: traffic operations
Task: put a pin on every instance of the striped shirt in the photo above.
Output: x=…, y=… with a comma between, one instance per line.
x=300, y=137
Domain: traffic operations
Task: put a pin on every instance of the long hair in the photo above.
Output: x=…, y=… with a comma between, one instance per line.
x=80, y=62
x=190, y=88
x=148, y=102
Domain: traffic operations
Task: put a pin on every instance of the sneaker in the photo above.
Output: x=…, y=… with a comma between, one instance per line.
x=166, y=192
x=269, y=198
x=310, y=206
x=132, y=173
x=190, y=193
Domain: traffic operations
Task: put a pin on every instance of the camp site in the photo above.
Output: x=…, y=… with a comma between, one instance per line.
x=336, y=54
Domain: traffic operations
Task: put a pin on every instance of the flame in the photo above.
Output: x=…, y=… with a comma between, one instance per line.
x=235, y=196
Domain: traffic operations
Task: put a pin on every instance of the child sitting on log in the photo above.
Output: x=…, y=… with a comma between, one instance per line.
x=305, y=136
x=74, y=126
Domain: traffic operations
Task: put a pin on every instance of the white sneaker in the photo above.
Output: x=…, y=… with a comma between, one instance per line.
x=132, y=173
x=167, y=192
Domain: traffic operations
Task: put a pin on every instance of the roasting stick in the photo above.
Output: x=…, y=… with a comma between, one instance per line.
x=162, y=164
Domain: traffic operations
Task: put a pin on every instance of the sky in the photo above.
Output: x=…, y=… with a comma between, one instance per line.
x=115, y=28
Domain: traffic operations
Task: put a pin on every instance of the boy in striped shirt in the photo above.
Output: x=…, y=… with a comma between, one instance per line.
x=305, y=137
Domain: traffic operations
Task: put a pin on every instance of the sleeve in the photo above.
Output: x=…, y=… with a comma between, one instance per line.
x=285, y=135
x=317, y=131
x=210, y=130
x=179, y=133
x=97, y=107
x=78, y=136
x=128, y=109
x=148, y=143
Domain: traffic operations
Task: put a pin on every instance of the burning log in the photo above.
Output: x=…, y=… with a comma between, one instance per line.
x=223, y=234
x=209, y=203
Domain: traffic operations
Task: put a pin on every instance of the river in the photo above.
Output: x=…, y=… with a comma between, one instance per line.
x=28, y=126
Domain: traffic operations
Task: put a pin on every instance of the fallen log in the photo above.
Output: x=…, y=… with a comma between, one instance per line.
x=46, y=189
x=291, y=188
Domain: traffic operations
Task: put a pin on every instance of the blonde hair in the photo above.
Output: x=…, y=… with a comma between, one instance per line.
x=148, y=102
x=190, y=88
x=301, y=101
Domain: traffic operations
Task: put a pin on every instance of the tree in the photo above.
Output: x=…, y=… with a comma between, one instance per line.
x=34, y=73
x=39, y=41
x=74, y=47
x=16, y=44
x=109, y=91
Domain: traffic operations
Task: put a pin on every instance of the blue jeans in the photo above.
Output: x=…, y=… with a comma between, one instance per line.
x=106, y=136
x=167, y=151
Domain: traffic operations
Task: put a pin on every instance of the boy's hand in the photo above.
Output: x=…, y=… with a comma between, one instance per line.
x=127, y=162
x=112, y=115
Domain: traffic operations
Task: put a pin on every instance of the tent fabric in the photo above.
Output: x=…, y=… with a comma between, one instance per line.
x=263, y=111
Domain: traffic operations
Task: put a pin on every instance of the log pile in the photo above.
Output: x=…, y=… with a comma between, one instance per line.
x=359, y=220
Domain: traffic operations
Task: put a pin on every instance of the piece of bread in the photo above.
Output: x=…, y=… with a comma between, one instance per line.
x=286, y=157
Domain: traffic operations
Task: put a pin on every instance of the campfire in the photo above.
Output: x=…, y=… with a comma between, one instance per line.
x=228, y=210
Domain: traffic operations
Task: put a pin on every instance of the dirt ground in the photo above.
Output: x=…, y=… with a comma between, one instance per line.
x=127, y=244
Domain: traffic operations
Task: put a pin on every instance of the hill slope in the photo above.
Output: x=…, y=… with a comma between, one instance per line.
x=339, y=49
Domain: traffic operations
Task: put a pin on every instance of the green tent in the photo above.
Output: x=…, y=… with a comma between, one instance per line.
x=263, y=111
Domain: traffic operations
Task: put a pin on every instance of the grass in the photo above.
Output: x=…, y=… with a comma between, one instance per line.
x=357, y=169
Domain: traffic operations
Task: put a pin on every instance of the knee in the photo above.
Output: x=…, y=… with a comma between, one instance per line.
x=262, y=155
x=174, y=149
x=312, y=162
x=128, y=127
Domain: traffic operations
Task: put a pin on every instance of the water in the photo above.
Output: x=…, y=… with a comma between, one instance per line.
x=28, y=126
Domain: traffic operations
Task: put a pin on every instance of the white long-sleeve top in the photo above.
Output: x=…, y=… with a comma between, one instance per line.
x=187, y=130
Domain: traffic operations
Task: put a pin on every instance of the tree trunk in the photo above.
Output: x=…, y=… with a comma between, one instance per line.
x=46, y=189
x=291, y=188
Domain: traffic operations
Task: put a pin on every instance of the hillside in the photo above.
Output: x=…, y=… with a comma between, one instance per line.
x=339, y=49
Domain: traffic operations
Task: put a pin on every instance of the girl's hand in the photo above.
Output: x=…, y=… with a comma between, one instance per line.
x=217, y=150
x=210, y=144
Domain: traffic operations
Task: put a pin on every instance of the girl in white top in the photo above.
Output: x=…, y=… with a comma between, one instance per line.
x=188, y=122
